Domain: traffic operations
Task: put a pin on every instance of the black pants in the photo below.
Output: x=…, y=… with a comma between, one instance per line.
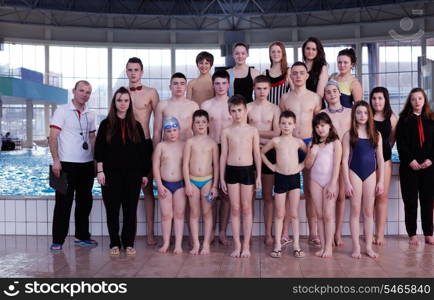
x=122, y=188
x=413, y=184
x=80, y=182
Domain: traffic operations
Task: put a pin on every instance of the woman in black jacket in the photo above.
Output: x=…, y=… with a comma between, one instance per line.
x=122, y=167
x=415, y=138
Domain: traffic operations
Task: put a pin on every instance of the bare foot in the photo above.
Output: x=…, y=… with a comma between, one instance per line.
x=429, y=240
x=338, y=242
x=379, y=241
x=236, y=253
x=268, y=241
x=245, y=253
x=163, y=249
x=371, y=253
x=356, y=252
x=327, y=253
x=177, y=251
x=205, y=250
x=413, y=241
x=223, y=240
x=319, y=253
x=195, y=250
x=150, y=240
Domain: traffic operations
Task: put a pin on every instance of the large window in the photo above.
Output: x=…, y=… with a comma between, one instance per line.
x=260, y=59
x=393, y=65
x=156, y=68
x=15, y=56
x=82, y=63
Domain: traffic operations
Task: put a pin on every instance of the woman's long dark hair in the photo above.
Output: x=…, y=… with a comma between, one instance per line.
x=324, y=118
x=370, y=127
x=408, y=109
x=387, y=108
x=319, y=60
x=114, y=122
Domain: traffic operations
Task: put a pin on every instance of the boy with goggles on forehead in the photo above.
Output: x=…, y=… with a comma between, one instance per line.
x=167, y=169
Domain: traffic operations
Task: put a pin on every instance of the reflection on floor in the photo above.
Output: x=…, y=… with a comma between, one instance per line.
x=28, y=256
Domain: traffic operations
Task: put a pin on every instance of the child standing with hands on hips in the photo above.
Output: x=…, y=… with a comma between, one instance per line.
x=286, y=181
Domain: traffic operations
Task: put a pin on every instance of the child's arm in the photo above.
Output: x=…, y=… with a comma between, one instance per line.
x=223, y=159
x=393, y=122
x=156, y=159
x=332, y=186
x=270, y=145
x=345, y=167
x=190, y=89
x=186, y=168
x=215, y=166
x=158, y=123
x=312, y=151
x=257, y=158
x=322, y=81
x=379, y=189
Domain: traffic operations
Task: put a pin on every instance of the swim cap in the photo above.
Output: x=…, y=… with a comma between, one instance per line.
x=170, y=122
x=333, y=82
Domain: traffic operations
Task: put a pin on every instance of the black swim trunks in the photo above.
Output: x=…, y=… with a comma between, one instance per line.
x=240, y=174
x=285, y=183
x=271, y=155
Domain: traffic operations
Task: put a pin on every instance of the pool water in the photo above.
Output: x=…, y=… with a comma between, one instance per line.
x=25, y=173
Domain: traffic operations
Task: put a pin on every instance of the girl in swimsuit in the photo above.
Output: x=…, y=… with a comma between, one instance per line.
x=200, y=168
x=324, y=158
x=167, y=169
x=363, y=170
x=242, y=74
x=314, y=58
x=278, y=72
x=350, y=87
x=385, y=122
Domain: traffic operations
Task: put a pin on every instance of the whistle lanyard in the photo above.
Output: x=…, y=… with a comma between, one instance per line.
x=85, y=135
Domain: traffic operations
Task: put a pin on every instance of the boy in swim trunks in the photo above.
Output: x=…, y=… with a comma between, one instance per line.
x=264, y=115
x=167, y=169
x=220, y=118
x=305, y=104
x=286, y=180
x=341, y=119
x=201, y=88
x=240, y=154
x=200, y=168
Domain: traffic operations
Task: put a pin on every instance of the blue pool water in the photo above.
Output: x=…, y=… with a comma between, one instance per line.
x=25, y=172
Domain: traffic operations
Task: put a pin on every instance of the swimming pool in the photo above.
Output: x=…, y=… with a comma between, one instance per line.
x=25, y=173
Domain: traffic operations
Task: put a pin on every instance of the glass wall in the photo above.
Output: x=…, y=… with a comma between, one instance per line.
x=156, y=68
x=82, y=63
x=15, y=56
x=391, y=64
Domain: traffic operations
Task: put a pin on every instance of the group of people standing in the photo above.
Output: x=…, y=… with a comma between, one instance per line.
x=220, y=137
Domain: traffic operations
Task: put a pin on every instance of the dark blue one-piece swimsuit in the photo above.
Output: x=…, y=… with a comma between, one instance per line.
x=362, y=159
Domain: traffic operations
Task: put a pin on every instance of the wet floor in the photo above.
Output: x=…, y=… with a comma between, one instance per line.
x=28, y=256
